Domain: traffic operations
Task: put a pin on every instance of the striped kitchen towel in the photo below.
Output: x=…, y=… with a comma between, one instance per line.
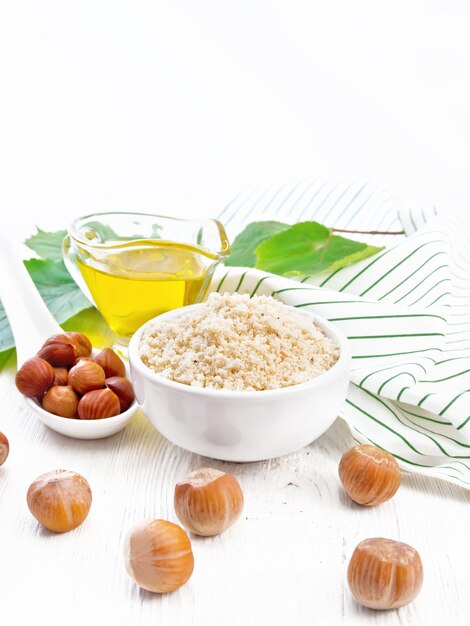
x=405, y=310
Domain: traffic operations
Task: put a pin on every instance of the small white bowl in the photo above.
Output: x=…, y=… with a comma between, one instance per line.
x=241, y=425
x=85, y=429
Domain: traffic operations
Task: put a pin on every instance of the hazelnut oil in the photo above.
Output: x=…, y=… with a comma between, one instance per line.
x=132, y=284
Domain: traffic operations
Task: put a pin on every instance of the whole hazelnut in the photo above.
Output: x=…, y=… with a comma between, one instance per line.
x=124, y=390
x=158, y=556
x=4, y=448
x=59, y=351
x=110, y=362
x=81, y=343
x=208, y=501
x=59, y=500
x=62, y=401
x=34, y=377
x=61, y=376
x=98, y=404
x=369, y=475
x=86, y=376
x=385, y=574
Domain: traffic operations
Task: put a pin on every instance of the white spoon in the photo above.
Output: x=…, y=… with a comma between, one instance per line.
x=31, y=324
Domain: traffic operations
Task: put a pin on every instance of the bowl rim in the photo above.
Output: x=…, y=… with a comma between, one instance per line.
x=331, y=330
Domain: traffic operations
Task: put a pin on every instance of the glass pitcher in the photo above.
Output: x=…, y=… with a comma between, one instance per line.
x=135, y=266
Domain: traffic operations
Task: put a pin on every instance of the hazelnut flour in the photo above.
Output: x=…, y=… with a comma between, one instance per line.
x=239, y=343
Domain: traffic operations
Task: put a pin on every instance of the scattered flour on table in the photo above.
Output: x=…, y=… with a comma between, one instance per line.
x=240, y=343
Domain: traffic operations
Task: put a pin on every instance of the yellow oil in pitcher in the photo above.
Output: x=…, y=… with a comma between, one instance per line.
x=130, y=285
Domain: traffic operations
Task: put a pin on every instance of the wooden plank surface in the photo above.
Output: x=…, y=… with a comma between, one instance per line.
x=284, y=562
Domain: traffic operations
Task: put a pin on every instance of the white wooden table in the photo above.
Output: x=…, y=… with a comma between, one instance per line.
x=284, y=562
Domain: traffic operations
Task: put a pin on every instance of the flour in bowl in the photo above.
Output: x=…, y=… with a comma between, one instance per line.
x=238, y=343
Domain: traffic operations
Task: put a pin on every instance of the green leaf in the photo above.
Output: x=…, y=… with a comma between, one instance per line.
x=242, y=251
x=57, y=288
x=6, y=338
x=360, y=255
x=47, y=245
x=309, y=248
x=7, y=358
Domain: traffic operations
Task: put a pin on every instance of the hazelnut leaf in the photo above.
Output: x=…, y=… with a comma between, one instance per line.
x=6, y=338
x=309, y=248
x=57, y=288
x=47, y=245
x=242, y=251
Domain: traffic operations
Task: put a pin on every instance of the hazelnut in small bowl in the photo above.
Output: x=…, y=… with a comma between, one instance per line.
x=76, y=390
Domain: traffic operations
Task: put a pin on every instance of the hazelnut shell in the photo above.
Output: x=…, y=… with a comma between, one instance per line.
x=61, y=375
x=61, y=400
x=124, y=390
x=384, y=574
x=34, y=377
x=58, y=351
x=81, y=343
x=158, y=556
x=99, y=404
x=4, y=448
x=111, y=363
x=86, y=376
x=208, y=501
x=59, y=500
x=369, y=474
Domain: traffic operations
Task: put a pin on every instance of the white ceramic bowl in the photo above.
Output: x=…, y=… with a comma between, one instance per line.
x=85, y=429
x=241, y=425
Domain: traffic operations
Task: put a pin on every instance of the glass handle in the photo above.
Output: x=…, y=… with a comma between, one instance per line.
x=68, y=254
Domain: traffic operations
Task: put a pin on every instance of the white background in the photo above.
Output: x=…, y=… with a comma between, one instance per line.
x=175, y=106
